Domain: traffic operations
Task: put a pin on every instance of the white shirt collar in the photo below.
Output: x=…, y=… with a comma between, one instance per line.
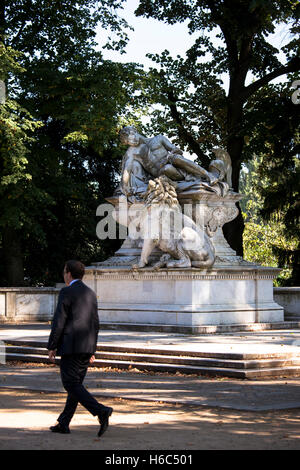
x=74, y=280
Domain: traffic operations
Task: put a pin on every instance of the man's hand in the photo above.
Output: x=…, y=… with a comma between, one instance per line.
x=52, y=354
x=92, y=358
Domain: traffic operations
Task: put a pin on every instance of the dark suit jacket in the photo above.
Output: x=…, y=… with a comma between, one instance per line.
x=75, y=323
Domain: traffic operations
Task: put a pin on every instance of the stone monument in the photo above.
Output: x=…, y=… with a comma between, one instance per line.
x=175, y=269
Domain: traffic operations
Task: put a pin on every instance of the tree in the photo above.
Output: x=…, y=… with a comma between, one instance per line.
x=55, y=77
x=281, y=167
x=16, y=129
x=272, y=184
x=76, y=157
x=264, y=239
x=196, y=107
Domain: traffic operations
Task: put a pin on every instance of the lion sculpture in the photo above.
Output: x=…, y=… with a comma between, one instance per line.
x=163, y=225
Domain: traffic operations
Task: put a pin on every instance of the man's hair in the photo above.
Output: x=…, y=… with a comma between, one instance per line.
x=76, y=268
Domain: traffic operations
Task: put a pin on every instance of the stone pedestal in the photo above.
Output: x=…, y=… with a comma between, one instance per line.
x=185, y=298
x=232, y=292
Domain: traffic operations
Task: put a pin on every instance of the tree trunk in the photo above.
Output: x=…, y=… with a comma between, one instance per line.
x=13, y=256
x=233, y=231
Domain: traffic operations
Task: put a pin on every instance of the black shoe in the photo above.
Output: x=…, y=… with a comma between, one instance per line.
x=103, y=419
x=61, y=429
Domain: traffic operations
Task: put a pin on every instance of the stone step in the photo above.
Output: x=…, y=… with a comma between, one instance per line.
x=213, y=366
x=173, y=368
x=199, y=361
x=202, y=354
x=169, y=352
x=172, y=359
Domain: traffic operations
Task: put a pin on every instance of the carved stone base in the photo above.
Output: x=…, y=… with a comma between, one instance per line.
x=212, y=211
x=185, y=297
x=208, y=210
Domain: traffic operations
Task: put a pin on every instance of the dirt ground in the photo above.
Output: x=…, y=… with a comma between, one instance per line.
x=25, y=418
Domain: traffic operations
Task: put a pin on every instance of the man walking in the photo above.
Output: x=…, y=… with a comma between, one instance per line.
x=73, y=336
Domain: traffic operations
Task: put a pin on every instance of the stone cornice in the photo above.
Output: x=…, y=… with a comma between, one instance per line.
x=191, y=274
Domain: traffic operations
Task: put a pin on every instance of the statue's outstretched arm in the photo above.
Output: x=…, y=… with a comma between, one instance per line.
x=169, y=146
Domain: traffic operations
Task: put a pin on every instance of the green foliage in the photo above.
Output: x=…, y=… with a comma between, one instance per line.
x=59, y=29
x=192, y=100
x=59, y=127
x=16, y=130
x=195, y=108
x=262, y=242
x=76, y=157
x=271, y=183
x=9, y=61
x=232, y=40
x=59, y=131
x=280, y=167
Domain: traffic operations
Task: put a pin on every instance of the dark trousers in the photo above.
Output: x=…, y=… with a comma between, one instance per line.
x=73, y=368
